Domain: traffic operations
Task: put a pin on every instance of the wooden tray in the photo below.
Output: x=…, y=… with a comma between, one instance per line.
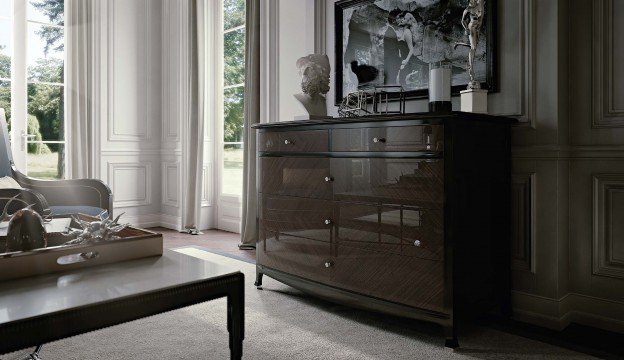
x=134, y=243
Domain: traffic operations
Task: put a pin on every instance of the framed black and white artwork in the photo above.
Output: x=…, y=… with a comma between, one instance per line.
x=392, y=42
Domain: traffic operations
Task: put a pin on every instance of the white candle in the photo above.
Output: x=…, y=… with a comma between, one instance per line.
x=440, y=84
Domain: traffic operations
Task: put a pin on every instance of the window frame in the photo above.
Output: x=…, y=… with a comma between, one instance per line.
x=20, y=82
x=220, y=114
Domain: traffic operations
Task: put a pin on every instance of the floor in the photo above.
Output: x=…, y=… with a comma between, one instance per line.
x=602, y=344
x=223, y=242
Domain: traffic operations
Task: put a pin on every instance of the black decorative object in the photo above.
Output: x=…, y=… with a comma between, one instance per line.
x=26, y=231
x=385, y=94
x=391, y=43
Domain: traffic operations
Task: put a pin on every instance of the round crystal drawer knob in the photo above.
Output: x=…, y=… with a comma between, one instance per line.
x=417, y=243
x=379, y=140
x=288, y=142
x=328, y=264
x=329, y=179
x=328, y=221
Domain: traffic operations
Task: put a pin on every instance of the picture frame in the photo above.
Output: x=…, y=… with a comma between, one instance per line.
x=371, y=42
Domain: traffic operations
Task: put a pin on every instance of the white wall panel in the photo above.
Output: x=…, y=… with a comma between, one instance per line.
x=130, y=183
x=207, y=191
x=171, y=188
x=128, y=106
x=296, y=37
x=128, y=70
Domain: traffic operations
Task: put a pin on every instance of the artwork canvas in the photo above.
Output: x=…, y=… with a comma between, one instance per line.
x=392, y=42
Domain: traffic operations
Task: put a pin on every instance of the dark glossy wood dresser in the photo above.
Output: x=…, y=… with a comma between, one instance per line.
x=407, y=214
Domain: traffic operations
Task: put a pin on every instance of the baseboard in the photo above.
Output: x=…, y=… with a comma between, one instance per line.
x=230, y=225
x=171, y=222
x=167, y=221
x=592, y=311
x=153, y=220
x=557, y=314
x=142, y=221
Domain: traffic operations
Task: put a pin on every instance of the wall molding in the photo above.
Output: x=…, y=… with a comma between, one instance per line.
x=170, y=127
x=143, y=220
x=568, y=152
x=170, y=222
x=131, y=152
x=137, y=166
x=604, y=261
x=523, y=223
x=168, y=199
x=143, y=24
x=527, y=72
x=605, y=113
x=141, y=152
x=154, y=220
x=573, y=307
x=320, y=27
x=269, y=98
x=207, y=191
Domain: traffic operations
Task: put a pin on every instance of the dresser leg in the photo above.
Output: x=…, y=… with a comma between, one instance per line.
x=451, y=337
x=258, y=282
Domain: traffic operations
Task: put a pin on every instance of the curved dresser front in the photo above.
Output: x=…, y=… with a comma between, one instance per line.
x=405, y=214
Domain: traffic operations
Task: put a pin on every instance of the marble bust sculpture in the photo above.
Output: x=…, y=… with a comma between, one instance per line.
x=314, y=71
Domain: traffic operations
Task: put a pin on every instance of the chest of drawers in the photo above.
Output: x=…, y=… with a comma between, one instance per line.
x=406, y=214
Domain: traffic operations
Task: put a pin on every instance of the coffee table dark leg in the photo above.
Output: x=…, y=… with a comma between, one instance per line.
x=236, y=318
x=35, y=354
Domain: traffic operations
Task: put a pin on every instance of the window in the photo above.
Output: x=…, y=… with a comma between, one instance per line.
x=6, y=49
x=233, y=96
x=45, y=74
x=37, y=76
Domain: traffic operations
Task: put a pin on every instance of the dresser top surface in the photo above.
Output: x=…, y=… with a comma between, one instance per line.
x=427, y=118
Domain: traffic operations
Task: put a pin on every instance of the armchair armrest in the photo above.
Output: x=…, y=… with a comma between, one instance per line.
x=80, y=192
x=26, y=197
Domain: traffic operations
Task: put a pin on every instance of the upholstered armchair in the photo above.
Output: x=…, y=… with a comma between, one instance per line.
x=57, y=197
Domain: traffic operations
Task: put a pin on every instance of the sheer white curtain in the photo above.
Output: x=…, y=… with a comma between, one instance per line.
x=252, y=116
x=79, y=82
x=198, y=12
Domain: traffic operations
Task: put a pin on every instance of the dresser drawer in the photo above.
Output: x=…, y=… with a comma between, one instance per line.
x=293, y=255
x=422, y=233
x=294, y=141
x=301, y=177
x=400, y=279
x=393, y=230
x=414, y=182
x=398, y=138
x=304, y=218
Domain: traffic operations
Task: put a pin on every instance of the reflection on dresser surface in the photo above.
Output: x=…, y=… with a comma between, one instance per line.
x=406, y=214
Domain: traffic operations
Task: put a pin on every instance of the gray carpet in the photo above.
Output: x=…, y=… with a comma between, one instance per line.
x=283, y=323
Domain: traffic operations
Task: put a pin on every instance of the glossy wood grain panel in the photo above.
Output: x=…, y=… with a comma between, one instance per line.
x=398, y=138
x=294, y=255
x=415, y=182
x=422, y=233
x=304, y=218
x=397, y=230
x=294, y=141
x=401, y=279
x=301, y=177
x=268, y=141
